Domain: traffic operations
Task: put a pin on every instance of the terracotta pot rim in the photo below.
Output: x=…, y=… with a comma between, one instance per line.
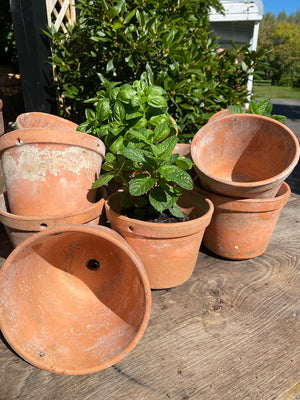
x=39, y=113
x=37, y=222
x=247, y=204
x=21, y=137
x=102, y=232
x=166, y=229
x=252, y=184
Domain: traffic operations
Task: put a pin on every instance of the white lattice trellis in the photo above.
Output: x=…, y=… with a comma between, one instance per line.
x=60, y=13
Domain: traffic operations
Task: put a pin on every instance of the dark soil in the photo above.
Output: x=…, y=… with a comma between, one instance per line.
x=147, y=216
x=168, y=219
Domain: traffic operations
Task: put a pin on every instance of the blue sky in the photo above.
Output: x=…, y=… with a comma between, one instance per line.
x=275, y=6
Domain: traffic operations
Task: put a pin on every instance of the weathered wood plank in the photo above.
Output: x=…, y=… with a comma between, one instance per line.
x=231, y=332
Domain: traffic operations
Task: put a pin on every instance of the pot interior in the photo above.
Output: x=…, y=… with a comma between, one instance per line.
x=244, y=148
x=71, y=302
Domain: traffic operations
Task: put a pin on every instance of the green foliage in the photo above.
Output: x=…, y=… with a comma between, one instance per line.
x=262, y=107
x=171, y=39
x=128, y=113
x=276, y=92
x=8, y=52
x=281, y=38
x=133, y=122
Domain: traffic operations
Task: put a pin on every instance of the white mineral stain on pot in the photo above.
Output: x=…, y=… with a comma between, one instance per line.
x=32, y=163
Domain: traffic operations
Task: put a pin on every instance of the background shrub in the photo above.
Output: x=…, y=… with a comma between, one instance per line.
x=168, y=38
x=8, y=52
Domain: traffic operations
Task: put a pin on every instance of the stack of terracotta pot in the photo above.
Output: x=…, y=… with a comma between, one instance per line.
x=242, y=161
x=75, y=295
x=75, y=298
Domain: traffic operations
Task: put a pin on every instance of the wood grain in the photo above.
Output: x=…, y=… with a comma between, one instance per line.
x=231, y=332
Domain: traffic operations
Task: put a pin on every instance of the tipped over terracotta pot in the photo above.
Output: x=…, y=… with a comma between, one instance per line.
x=244, y=155
x=74, y=299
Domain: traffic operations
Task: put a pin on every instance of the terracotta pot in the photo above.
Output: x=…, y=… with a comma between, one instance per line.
x=242, y=228
x=44, y=120
x=50, y=171
x=244, y=155
x=74, y=299
x=2, y=183
x=219, y=114
x=222, y=113
x=168, y=251
x=184, y=149
x=19, y=227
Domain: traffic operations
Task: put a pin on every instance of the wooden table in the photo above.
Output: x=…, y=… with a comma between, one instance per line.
x=231, y=332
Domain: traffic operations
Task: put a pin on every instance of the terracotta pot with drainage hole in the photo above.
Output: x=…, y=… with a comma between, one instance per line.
x=168, y=251
x=19, y=227
x=50, y=171
x=74, y=299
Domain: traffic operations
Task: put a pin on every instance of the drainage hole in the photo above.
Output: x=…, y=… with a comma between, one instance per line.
x=130, y=228
x=18, y=141
x=93, y=264
x=43, y=226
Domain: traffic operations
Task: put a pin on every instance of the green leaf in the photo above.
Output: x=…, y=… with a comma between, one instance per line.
x=141, y=184
x=116, y=145
x=280, y=118
x=133, y=115
x=157, y=101
x=131, y=133
x=158, y=199
x=113, y=93
x=117, y=25
x=161, y=132
x=236, y=109
x=184, y=163
x=176, y=211
x=103, y=180
x=110, y=66
x=110, y=162
x=165, y=148
x=261, y=107
x=155, y=90
x=84, y=127
x=126, y=93
x=89, y=114
x=140, y=123
x=119, y=111
x=132, y=154
x=103, y=109
x=175, y=174
x=129, y=16
x=156, y=120
x=102, y=131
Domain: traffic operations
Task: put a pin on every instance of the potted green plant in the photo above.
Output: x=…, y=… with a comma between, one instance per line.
x=135, y=126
